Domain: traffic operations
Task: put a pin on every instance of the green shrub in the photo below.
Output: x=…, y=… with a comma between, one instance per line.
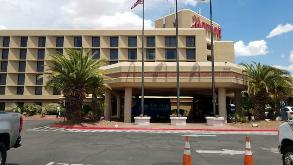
x=13, y=109
x=32, y=109
x=51, y=109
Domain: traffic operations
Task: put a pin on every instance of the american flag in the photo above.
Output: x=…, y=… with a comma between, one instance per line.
x=137, y=3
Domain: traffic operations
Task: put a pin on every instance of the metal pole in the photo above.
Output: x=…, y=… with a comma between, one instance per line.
x=142, y=63
x=177, y=62
x=213, y=59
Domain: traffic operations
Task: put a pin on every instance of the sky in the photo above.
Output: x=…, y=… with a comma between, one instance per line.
x=262, y=30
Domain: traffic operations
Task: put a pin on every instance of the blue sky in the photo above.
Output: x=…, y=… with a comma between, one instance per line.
x=252, y=20
x=246, y=22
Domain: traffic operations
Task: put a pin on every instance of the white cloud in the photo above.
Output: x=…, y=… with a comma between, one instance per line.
x=194, y=2
x=291, y=57
x=254, y=48
x=56, y=14
x=280, y=29
x=2, y=27
x=288, y=68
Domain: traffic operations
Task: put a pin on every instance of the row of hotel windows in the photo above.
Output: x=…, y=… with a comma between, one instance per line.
x=20, y=90
x=170, y=41
x=21, y=79
x=170, y=54
x=22, y=65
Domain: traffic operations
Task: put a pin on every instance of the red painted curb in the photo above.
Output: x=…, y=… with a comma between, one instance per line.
x=161, y=129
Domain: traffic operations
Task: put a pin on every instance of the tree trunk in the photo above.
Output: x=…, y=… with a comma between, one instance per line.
x=73, y=108
x=95, y=107
x=259, y=106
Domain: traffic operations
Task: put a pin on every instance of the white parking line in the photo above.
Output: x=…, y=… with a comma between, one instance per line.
x=54, y=163
x=273, y=150
x=199, y=135
x=221, y=152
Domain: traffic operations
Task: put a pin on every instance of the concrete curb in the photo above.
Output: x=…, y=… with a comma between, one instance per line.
x=163, y=129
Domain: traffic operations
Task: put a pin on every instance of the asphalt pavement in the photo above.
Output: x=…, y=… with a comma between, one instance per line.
x=102, y=148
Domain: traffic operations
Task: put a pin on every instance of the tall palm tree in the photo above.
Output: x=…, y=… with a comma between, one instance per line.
x=264, y=81
x=72, y=74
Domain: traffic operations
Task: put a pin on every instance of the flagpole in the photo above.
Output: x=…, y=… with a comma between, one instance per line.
x=213, y=59
x=177, y=62
x=142, y=62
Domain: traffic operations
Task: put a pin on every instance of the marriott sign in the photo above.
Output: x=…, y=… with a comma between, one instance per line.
x=197, y=23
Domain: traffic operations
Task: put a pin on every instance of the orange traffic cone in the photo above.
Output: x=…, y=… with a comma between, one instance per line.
x=248, y=159
x=187, y=153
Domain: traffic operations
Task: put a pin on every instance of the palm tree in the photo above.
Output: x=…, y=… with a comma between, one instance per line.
x=72, y=74
x=281, y=87
x=96, y=87
x=264, y=81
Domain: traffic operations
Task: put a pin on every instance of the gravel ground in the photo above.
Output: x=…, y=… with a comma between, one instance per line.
x=260, y=125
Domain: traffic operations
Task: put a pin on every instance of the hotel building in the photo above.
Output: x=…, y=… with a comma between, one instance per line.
x=24, y=58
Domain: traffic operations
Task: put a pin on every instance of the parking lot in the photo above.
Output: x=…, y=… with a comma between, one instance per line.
x=68, y=148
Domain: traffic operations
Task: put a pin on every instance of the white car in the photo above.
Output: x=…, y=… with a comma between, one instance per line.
x=10, y=128
x=287, y=113
x=285, y=133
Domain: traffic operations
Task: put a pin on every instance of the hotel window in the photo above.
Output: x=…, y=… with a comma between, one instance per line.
x=113, y=54
x=2, y=91
x=150, y=54
x=38, y=90
x=59, y=51
x=42, y=42
x=5, y=54
x=95, y=41
x=132, y=41
x=21, y=66
x=132, y=54
x=3, y=78
x=59, y=42
x=6, y=41
x=39, y=79
x=190, y=54
x=170, y=54
x=21, y=79
x=114, y=42
x=96, y=53
x=151, y=41
x=4, y=66
x=22, y=54
x=56, y=91
x=2, y=106
x=40, y=66
x=170, y=41
x=41, y=54
x=190, y=41
x=23, y=41
x=77, y=42
x=19, y=90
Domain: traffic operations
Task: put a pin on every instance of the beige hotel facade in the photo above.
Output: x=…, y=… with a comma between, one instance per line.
x=24, y=56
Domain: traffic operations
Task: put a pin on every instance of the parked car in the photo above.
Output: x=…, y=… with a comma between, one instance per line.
x=10, y=128
x=285, y=134
x=286, y=113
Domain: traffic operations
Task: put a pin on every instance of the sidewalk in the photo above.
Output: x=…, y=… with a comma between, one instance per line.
x=39, y=117
x=112, y=125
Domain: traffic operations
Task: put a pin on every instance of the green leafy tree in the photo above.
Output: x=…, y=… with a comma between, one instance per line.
x=280, y=87
x=263, y=82
x=72, y=74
